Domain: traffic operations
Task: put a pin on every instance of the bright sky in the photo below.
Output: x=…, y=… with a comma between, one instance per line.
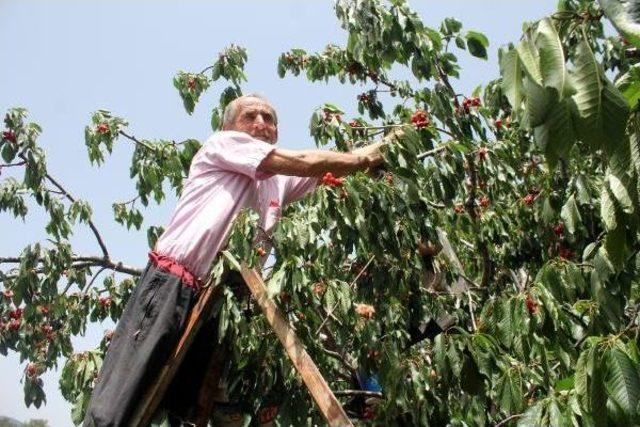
x=63, y=60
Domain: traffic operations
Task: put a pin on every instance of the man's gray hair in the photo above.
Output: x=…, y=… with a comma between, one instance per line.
x=231, y=110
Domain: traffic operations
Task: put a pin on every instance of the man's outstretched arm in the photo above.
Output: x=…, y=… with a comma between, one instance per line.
x=318, y=162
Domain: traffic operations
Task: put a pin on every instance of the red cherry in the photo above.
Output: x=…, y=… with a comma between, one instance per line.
x=285, y=297
x=498, y=124
x=47, y=329
x=330, y=180
x=9, y=136
x=354, y=123
x=482, y=153
x=102, y=129
x=16, y=314
x=558, y=229
x=32, y=370
x=43, y=309
x=458, y=208
x=105, y=301
x=529, y=199
x=532, y=305
x=14, y=325
x=192, y=83
x=369, y=413
x=364, y=98
x=485, y=202
x=420, y=119
x=566, y=253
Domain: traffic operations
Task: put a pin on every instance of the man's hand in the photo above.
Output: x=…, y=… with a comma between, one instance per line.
x=373, y=152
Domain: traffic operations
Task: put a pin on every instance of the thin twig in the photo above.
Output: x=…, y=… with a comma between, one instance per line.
x=136, y=140
x=432, y=151
x=93, y=279
x=11, y=165
x=330, y=312
x=509, y=418
x=473, y=318
x=130, y=202
x=364, y=393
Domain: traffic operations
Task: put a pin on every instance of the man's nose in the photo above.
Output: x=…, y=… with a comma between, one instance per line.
x=259, y=121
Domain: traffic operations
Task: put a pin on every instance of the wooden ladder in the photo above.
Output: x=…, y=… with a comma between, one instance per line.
x=329, y=406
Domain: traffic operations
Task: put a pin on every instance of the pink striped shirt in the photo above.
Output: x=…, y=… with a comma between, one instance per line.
x=223, y=179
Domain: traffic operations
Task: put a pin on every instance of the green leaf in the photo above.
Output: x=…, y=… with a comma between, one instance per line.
x=528, y=55
x=625, y=16
x=620, y=193
x=556, y=136
x=615, y=246
x=540, y=100
x=615, y=115
x=589, y=85
x=450, y=26
x=607, y=209
x=276, y=282
x=552, y=68
x=622, y=381
x=629, y=85
x=512, y=85
x=9, y=152
x=477, y=44
x=570, y=214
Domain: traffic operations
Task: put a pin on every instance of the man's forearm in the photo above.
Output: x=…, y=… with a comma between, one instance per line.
x=319, y=162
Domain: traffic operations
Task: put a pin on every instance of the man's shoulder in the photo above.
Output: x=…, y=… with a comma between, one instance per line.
x=226, y=136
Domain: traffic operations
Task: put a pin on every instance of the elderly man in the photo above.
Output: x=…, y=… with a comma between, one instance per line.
x=236, y=168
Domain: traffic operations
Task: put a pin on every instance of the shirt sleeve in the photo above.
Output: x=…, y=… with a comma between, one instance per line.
x=296, y=187
x=239, y=152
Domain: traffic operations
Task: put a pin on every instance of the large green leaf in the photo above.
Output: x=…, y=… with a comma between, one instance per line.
x=622, y=381
x=607, y=209
x=528, y=55
x=570, y=214
x=625, y=16
x=588, y=82
x=621, y=194
x=511, y=71
x=539, y=102
x=615, y=115
x=556, y=136
x=552, y=68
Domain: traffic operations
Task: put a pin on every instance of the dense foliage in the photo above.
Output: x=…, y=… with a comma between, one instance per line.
x=510, y=212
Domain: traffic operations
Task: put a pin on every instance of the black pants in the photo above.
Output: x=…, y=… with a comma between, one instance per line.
x=144, y=338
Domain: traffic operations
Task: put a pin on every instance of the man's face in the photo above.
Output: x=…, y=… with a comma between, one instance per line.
x=256, y=118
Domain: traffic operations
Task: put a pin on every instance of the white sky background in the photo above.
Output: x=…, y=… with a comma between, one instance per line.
x=63, y=60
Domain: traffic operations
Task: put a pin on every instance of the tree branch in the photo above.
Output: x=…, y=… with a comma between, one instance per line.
x=84, y=261
x=66, y=194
